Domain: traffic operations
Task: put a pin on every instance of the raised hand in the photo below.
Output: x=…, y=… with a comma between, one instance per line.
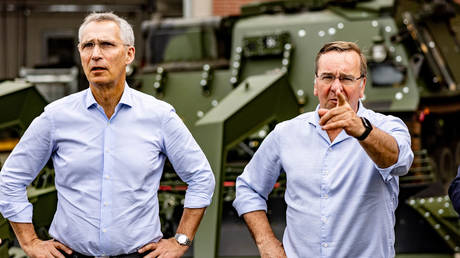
x=341, y=117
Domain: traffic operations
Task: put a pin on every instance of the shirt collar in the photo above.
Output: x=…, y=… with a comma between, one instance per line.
x=126, y=97
x=361, y=109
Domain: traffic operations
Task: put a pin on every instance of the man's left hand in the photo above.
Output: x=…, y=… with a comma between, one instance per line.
x=165, y=248
x=341, y=117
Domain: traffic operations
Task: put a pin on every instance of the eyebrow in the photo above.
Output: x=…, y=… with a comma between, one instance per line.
x=98, y=40
x=340, y=75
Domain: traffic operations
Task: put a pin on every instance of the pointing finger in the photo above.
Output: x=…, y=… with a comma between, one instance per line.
x=342, y=101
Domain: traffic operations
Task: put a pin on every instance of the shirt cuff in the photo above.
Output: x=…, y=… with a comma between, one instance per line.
x=245, y=205
x=402, y=165
x=194, y=200
x=21, y=213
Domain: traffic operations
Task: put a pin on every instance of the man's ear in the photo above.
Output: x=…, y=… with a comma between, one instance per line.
x=362, y=86
x=315, y=90
x=130, y=55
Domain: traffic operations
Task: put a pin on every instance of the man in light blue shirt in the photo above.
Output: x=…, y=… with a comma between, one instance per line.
x=108, y=145
x=342, y=164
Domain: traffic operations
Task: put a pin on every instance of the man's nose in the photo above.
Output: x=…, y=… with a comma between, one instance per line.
x=96, y=52
x=336, y=86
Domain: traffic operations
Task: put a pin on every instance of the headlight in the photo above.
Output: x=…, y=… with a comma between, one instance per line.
x=378, y=50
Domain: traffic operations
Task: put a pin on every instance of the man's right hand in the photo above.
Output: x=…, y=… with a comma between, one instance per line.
x=45, y=249
x=272, y=248
x=33, y=246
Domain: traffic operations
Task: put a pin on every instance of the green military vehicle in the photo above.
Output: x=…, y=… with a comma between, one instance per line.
x=232, y=78
x=20, y=103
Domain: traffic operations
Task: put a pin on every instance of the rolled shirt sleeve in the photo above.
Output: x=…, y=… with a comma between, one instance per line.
x=258, y=178
x=188, y=161
x=24, y=163
x=398, y=130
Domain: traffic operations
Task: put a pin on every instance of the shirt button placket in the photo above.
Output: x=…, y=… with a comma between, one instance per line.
x=324, y=203
x=106, y=190
x=324, y=219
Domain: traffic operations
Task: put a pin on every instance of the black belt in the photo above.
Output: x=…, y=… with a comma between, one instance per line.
x=79, y=255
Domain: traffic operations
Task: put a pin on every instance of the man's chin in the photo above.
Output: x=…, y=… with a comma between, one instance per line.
x=330, y=105
x=100, y=82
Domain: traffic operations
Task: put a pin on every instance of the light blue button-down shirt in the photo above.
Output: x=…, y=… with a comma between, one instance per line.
x=107, y=171
x=339, y=202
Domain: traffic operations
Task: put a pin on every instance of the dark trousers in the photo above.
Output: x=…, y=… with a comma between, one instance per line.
x=79, y=255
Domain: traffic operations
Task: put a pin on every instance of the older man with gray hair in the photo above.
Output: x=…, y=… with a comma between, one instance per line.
x=108, y=145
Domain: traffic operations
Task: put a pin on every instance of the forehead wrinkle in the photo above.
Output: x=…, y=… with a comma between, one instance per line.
x=101, y=31
x=339, y=62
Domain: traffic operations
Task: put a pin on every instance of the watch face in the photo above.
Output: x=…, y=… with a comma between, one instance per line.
x=182, y=239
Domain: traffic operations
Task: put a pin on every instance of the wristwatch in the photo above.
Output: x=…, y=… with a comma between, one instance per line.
x=367, y=126
x=183, y=239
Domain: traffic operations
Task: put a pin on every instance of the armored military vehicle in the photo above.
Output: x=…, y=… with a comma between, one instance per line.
x=232, y=78
x=20, y=103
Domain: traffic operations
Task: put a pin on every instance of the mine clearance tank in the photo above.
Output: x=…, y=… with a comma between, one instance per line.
x=20, y=103
x=21, y=100
x=232, y=78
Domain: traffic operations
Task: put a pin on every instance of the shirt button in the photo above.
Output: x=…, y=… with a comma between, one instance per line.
x=324, y=219
x=326, y=196
x=104, y=230
x=325, y=245
x=107, y=177
x=105, y=204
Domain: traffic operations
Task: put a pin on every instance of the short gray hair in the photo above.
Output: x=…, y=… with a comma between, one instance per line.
x=342, y=46
x=126, y=31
